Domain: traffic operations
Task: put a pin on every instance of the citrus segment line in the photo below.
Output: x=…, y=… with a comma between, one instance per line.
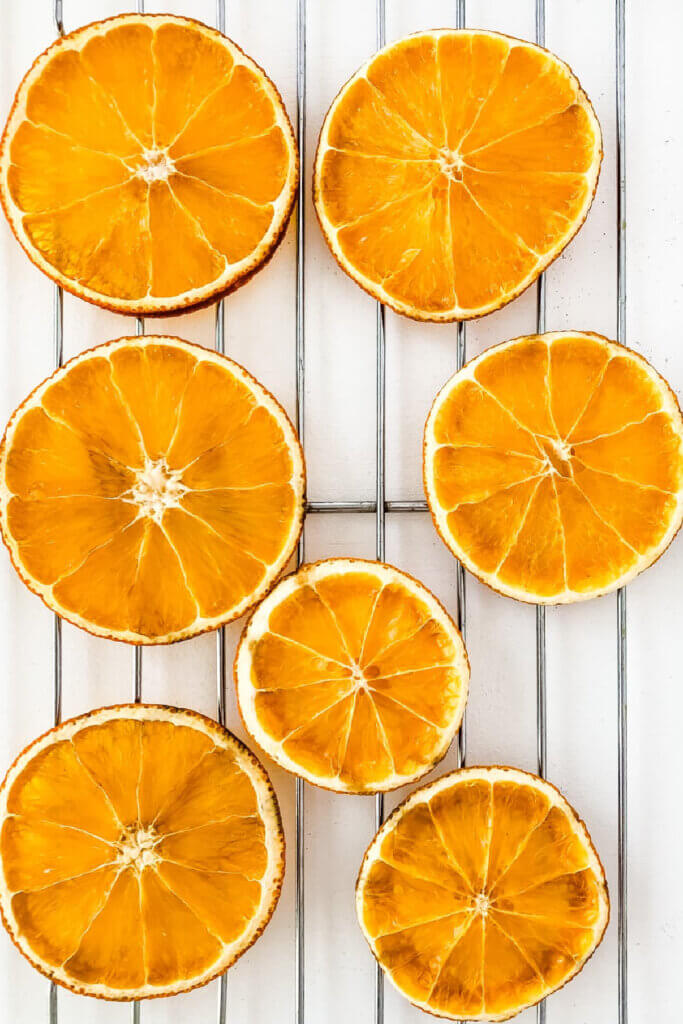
x=520, y=131
x=491, y=921
x=562, y=533
x=311, y=650
x=591, y=395
x=95, y=916
x=448, y=850
x=70, y=878
x=406, y=709
x=313, y=718
x=187, y=906
x=70, y=139
x=519, y=529
x=605, y=522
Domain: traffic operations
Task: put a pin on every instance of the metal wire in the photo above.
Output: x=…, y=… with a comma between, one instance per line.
x=137, y=667
x=58, y=354
x=58, y=16
x=541, y=660
x=300, y=367
x=622, y=710
x=380, y=490
x=58, y=351
x=221, y=695
x=137, y=664
x=460, y=578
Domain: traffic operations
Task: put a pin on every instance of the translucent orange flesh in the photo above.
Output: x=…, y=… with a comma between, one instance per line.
x=558, y=465
x=355, y=681
x=147, y=162
x=149, y=489
x=133, y=853
x=454, y=166
x=482, y=899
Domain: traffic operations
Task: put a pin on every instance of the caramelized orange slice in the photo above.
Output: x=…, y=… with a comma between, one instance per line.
x=554, y=466
x=141, y=851
x=352, y=675
x=482, y=894
x=150, y=490
x=453, y=168
x=148, y=164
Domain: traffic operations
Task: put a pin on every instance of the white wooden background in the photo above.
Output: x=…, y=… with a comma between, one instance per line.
x=340, y=412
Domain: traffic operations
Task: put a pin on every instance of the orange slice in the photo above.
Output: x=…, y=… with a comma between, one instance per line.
x=553, y=466
x=453, y=168
x=148, y=164
x=150, y=490
x=351, y=675
x=482, y=894
x=141, y=851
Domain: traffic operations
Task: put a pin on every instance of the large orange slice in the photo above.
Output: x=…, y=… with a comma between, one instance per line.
x=148, y=164
x=453, y=168
x=150, y=490
x=482, y=894
x=141, y=851
x=553, y=466
x=352, y=675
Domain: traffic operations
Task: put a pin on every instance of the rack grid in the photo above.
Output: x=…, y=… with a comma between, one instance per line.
x=381, y=506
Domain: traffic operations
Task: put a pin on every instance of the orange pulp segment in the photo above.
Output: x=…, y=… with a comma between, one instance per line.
x=351, y=675
x=481, y=894
x=148, y=164
x=452, y=168
x=141, y=851
x=150, y=490
x=554, y=466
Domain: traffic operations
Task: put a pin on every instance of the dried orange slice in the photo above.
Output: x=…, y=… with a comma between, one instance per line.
x=148, y=164
x=351, y=675
x=141, y=851
x=150, y=490
x=453, y=168
x=482, y=894
x=554, y=466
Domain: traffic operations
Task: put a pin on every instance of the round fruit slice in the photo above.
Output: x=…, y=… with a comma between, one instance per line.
x=453, y=168
x=553, y=466
x=482, y=894
x=141, y=851
x=351, y=675
x=150, y=490
x=148, y=164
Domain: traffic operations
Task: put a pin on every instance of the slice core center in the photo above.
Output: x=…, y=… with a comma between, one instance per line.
x=157, y=488
x=136, y=848
x=451, y=164
x=558, y=456
x=156, y=165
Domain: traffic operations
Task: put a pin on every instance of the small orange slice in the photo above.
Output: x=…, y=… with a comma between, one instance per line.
x=482, y=894
x=141, y=851
x=554, y=466
x=150, y=490
x=351, y=675
x=453, y=168
x=148, y=164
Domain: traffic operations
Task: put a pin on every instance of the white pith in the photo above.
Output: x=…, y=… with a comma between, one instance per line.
x=138, y=848
x=157, y=165
x=451, y=163
x=480, y=904
x=258, y=625
x=154, y=165
x=669, y=405
x=157, y=488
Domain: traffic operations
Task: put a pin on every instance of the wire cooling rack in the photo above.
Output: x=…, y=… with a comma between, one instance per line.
x=381, y=506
